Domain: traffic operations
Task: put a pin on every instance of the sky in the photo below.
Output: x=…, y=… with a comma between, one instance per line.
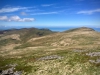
x=49, y=13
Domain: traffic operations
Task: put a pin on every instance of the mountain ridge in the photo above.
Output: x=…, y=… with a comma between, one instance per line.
x=52, y=52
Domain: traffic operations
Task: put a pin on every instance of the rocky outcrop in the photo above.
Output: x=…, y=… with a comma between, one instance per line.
x=10, y=71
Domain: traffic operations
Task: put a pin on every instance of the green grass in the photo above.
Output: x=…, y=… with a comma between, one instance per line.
x=21, y=66
x=31, y=33
x=71, y=63
x=23, y=46
x=68, y=65
x=8, y=41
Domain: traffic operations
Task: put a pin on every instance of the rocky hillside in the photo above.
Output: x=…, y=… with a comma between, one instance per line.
x=72, y=52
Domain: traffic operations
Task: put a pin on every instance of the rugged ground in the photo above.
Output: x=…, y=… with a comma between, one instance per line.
x=73, y=52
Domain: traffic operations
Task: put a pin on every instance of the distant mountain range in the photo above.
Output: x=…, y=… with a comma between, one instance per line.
x=26, y=34
x=57, y=29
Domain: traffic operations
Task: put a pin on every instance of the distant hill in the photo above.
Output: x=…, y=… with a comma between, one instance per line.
x=36, y=37
x=71, y=37
x=80, y=29
x=22, y=35
x=28, y=37
x=74, y=37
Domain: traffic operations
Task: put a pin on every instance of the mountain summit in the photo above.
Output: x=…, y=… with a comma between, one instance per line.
x=80, y=29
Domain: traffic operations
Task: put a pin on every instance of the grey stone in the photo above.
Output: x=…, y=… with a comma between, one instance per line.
x=91, y=54
x=4, y=72
x=18, y=73
x=95, y=61
x=10, y=71
x=50, y=57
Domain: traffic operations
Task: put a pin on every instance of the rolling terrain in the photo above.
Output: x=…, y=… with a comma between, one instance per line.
x=43, y=52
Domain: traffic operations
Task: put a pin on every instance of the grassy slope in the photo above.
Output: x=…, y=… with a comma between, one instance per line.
x=24, y=35
x=61, y=44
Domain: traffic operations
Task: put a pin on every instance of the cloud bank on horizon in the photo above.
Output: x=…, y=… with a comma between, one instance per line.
x=50, y=13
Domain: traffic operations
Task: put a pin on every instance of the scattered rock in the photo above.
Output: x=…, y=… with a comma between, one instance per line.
x=18, y=73
x=51, y=57
x=93, y=54
x=95, y=61
x=10, y=71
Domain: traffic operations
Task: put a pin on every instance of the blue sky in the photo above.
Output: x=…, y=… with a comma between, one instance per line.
x=49, y=13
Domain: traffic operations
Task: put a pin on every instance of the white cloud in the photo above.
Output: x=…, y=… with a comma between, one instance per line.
x=33, y=10
x=3, y=18
x=89, y=11
x=28, y=19
x=16, y=19
x=12, y=9
x=23, y=13
x=44, y=13
x=47, y=5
